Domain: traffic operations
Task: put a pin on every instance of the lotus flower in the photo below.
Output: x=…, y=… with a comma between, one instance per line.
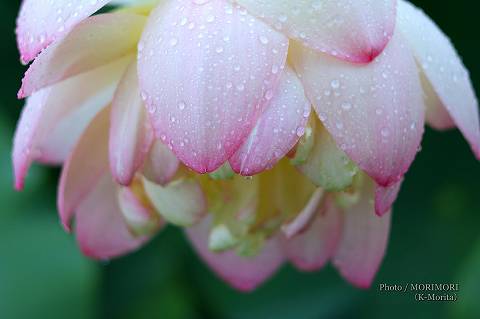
x=198, y=113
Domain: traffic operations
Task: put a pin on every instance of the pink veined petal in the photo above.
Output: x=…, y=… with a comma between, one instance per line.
x=364, y=240
x=311, y=250
x=355, y=31
x=244, y=274
x=42, y=22
x=301, y=222
x=278, y=129
x=97, y=41
x=374, y=112
x=444, y=69
x=54, y=118
x=84, y=168
x=385, y=197
x=99, y=225
x=204, y=70
x=139, y=216
x=130, y=132
x=161, y=164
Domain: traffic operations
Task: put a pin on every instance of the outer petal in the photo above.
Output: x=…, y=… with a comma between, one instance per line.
x=278, y=129
x=100, y=227
x=181, y=202
x=54, y=118
x=312, y=249
x=204, y=70
x=444, y=69
x=385, y=197
x=161, y=164
x=364, y=240
x=374, y=112
x=84, y=168
x=355, y=31
x=130, y=132
x=242, y=273
x=41, y=22
x=95, y=42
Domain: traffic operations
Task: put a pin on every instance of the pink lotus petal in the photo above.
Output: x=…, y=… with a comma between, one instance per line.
x=130, y=132
x=436, y=115
x=139, y=216
x=97, y=41
x=310, y=250
x=54, y=118
x=181, y=202
x=84, y=168
x=444, y=69
x=374, y=112
x=99, y=225
x=385, y=197
x=364, y=240
x=278, y=129
x=161, y=164
x=42, y=22
x=356, y=31
x=204, y=70
x=244, y=274
x=303, y=219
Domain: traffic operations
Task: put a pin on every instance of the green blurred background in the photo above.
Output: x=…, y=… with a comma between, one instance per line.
x=435, y=236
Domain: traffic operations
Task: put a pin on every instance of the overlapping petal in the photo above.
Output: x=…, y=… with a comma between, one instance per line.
x=374, y=112
x=311, y=249
x=385, y=197
x=95, y=42
x=326, y=165
x=278, y=129
x=161, y=164
x=42, y=22
x=130, y=132
x=54, y=118
x=180, y=202
x=364, y=240
x=99, y=224
x=242, y=273
x=204, y=69
x=86, y=165
x=444, y=70
x=355, y=31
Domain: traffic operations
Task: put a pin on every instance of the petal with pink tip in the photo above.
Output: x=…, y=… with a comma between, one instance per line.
x=385, y=197
x=364, y=240
x=204, y=70
x=130, y=132
x=374, y=112
x=84, y=168
x=161, y=164
x=310, y=250
x=95, y=42
x=181, y=202
x=278, y=129
x=41, y=22
x=355, y=31
x=244, y=274
x=99, y=225
x=54, y=118
x=444, y=69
